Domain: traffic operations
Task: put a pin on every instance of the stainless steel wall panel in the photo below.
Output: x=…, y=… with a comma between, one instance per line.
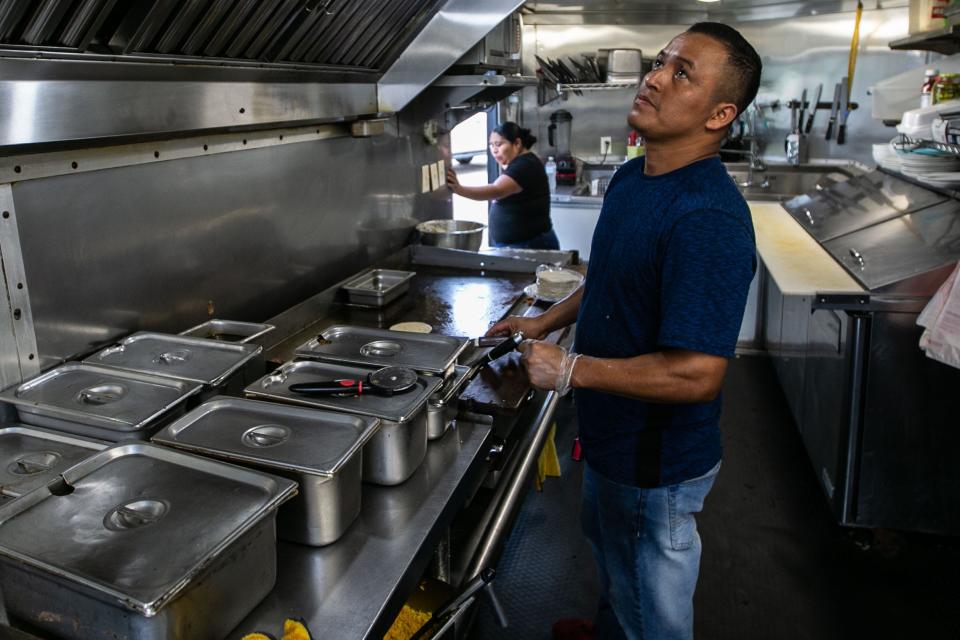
x=34, y=112
x=19, y=356
x=241, y=235
x=450, y=33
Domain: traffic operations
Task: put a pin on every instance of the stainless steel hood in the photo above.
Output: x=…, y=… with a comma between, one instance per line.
x=72, y=71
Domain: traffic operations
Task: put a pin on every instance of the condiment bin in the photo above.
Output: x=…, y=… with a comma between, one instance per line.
x=30, y=457
x=141, y=542
x=100, y=402
x=221, y=367
x=228, y=330
x=428, y=353
x=321, y=450
x=442, y=406
x=398, y=448
x=378, y=287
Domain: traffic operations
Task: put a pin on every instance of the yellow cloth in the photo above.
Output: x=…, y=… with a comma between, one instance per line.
x=407, y=623
x=548, y=465
x=292, y=630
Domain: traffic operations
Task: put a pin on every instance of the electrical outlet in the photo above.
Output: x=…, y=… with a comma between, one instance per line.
x=605, y=143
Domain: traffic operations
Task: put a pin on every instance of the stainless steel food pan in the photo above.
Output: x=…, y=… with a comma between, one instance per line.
x=428, y=353
x=31, y=457
x=229, y=330
x=397, y=449
x=442, y=406
x=378, y=287
x=321, y=450
x=100, y=402
x=140, y=541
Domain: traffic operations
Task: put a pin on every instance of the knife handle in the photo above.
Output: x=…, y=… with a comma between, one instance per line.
x=344, y=386
x=809, y=125
x=505, y=347
x=829, y=130
x=841, y=133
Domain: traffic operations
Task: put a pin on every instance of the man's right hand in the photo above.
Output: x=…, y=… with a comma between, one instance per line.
x=531, y=327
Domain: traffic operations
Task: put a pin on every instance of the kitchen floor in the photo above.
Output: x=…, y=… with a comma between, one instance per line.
x=775, y=564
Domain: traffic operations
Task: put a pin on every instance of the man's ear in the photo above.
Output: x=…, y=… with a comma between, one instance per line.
x=722, y=117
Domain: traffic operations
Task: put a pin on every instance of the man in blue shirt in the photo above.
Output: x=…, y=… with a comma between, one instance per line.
x=657, y=319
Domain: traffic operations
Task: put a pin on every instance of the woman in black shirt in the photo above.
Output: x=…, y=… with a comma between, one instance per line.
x=520, y=214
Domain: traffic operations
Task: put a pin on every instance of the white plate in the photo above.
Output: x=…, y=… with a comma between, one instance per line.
x=533, y=291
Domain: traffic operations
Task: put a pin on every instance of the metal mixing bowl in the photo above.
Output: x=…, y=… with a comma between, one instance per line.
x=452, y=234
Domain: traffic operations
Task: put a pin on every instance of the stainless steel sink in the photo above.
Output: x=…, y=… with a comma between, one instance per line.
x=782, y=182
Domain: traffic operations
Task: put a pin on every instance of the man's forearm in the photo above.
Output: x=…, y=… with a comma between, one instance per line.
x=563, y=313
x=675, y=375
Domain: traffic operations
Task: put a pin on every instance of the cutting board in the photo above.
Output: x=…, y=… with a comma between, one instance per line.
x=798, y=264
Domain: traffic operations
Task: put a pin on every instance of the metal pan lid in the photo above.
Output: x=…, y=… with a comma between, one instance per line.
x=200, y=360
x=30, y=457
x=278, y=436
x=138, y=522
x=123, y=401
x=428, y=353
x=400, y=407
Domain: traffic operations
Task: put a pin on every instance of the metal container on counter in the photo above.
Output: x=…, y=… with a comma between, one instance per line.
x=226, y=366
x=428, y=353
x=31, y=457
x=378, y=287
x=321, y=450
x=141, y=542
x=452, y=234
x=100, y=402
x=398, y=448
x=228, y=330
x=442, y=406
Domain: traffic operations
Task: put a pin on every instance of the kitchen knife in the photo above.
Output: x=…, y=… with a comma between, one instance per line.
x=844, y=111
x=813, y=108
x=833, y=111
x=803, y=110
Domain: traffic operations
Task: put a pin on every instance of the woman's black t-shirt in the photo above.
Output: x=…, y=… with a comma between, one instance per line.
x=523, y=215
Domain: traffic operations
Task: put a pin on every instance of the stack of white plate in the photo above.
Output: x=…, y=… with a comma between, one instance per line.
x=922, y=165
x=885, y=156
x=941, y=179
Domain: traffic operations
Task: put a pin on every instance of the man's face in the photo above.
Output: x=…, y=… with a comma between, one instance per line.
x=678, y=96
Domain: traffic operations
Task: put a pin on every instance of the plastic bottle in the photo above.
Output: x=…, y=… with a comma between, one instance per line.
x=551, y=167
x=926, y=91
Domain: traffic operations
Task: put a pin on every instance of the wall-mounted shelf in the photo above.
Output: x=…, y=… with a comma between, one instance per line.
x=945, y=41
x=548, y=92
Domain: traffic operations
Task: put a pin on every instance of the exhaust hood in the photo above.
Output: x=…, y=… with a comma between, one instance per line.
x=79, y=70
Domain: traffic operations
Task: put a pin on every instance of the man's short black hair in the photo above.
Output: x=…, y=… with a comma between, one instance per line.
x=743, y=61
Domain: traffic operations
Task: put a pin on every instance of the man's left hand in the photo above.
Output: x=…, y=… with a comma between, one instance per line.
x=543, y=362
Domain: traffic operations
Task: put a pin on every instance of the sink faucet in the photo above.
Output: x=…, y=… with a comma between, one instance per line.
x=755, y=162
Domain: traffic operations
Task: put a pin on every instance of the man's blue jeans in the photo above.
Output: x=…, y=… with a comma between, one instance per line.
x=647, y=550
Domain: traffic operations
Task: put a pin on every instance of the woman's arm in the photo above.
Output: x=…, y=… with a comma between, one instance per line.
x=500, y=188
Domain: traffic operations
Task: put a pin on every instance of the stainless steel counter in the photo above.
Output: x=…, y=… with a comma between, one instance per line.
x=355, y=587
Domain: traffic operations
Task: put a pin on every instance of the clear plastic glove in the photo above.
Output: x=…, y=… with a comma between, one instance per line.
x=548, y=366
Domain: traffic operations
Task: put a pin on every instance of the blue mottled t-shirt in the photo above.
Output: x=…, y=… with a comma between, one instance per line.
x=670, y=266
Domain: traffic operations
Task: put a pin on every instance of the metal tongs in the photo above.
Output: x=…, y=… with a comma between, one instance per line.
x=445, y=617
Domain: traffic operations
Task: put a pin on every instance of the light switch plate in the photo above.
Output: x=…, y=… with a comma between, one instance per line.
x=605, y=143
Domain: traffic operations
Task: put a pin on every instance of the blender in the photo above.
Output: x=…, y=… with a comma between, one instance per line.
x=558, y=135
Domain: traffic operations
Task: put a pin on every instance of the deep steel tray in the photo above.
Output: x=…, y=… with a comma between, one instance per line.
x=378, y=287
x=426, y=352
x=400, y=407
x=229, y=330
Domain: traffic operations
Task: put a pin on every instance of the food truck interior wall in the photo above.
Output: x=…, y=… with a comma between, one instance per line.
x=797, y=52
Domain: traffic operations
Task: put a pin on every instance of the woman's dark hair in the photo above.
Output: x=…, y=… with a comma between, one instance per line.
x=742, y=60
x=512, y=131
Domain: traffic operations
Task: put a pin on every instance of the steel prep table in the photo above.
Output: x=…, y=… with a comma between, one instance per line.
x=355, y=587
